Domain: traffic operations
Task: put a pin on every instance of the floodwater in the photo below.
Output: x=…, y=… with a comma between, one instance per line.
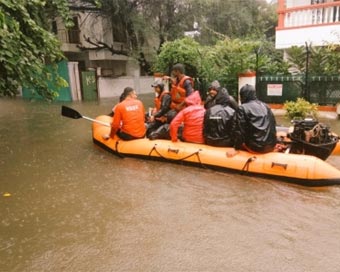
x=67, y=205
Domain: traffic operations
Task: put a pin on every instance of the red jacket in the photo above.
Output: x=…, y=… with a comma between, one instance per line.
x=129, y=118
x=192, y=116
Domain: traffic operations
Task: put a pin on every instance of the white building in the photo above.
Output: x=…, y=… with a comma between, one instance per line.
x=114, y=69
x=312, y=22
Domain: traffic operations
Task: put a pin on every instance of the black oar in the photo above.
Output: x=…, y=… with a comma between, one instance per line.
x=71, y=113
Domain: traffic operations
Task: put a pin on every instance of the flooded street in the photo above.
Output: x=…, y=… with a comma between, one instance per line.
x=68, y=205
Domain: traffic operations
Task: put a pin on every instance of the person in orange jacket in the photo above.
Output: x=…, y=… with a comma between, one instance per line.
x=129, y=116
x=181, y=87
x=162, y=106
x=192, y=117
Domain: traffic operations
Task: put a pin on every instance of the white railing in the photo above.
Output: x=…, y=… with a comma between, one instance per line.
x=318, y=14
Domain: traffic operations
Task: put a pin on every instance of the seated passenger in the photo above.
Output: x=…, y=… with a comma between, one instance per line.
x=216, y=92
x=162, y=106
x=192, y=119
x=217, y=125
x=121, y=98
x=129, y=116
x=254, y=125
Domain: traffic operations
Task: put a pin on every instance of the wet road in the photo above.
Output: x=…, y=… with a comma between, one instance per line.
x=67, y=205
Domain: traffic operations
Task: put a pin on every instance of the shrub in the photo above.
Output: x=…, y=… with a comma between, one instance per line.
x=300, y=109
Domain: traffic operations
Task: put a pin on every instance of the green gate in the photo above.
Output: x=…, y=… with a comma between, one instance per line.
x=324, y=90
x=89, y=84
x=64, y=94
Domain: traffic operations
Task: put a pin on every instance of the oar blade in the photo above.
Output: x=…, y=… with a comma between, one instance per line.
x=71, y=113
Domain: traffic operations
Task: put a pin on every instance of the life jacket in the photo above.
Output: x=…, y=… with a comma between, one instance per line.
x=178, y=93
x=158, y=100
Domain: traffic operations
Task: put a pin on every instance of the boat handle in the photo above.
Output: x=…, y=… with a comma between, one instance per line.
x=173, y=150
x=283, y=165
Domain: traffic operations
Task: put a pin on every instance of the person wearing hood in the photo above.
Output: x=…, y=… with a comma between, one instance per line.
x=254, y=125
x=192, y=118
x=218, y=95
x=218, y=117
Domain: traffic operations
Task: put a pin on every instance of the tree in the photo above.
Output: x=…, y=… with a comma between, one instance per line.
x=27, y=45
x=235, y=19
x=185, y=51
x=146, y=24
x=222, y=61
x=321, y=61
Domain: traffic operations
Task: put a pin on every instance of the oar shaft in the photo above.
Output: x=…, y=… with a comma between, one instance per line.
x=97, y=121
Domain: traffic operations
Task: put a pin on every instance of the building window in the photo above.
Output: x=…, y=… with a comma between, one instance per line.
x=73, y=33
x=54, y=27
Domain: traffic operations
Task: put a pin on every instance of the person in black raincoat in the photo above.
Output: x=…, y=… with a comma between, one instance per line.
x=218, y=118
x=254, y=125
x=216, y=92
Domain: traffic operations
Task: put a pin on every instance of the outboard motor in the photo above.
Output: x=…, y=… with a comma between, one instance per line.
x=312, y=138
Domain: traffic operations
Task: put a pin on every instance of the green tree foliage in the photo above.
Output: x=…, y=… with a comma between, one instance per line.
x=230, y=57
x=234, y=19
x=26, y=45
x=135, y=21
x=223, y=61
x=321, y=61
x=185, y=51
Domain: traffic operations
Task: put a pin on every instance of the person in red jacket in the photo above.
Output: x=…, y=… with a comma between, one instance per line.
x=129, y=115
x=192, y=117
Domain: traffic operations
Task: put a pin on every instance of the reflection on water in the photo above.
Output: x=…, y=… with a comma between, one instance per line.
x=75, y=207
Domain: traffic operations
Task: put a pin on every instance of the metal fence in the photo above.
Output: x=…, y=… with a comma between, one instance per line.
x=323, y=90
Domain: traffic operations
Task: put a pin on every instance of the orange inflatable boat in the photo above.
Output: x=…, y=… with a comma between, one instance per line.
x=294, y=168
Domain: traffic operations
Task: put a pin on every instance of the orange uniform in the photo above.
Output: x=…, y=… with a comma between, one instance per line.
x=129, y=118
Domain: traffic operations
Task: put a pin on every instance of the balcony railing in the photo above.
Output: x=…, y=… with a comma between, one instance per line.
x=306, y=16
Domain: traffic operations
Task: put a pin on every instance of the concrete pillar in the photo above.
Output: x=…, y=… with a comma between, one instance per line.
x=75, y=87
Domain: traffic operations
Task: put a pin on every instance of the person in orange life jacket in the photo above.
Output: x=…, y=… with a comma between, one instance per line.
x=254, y=125
x=181, y=86
x=192, y=118
x=162, y=106
x=129, y=116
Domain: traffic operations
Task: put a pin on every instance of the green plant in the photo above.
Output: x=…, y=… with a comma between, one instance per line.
x=27, y=45
x=300, y=109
